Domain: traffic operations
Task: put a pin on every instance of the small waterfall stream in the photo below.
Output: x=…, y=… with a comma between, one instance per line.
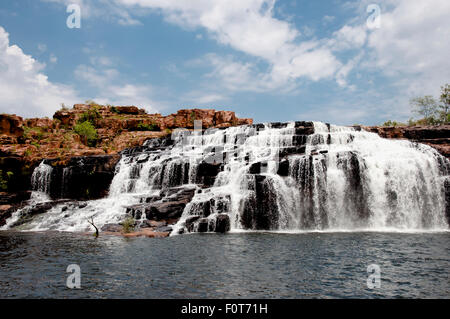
x=298, y=176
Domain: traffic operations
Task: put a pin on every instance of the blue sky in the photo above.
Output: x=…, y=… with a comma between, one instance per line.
x=269, y=60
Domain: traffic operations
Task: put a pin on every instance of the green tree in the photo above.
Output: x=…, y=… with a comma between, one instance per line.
x=444, y=107
x=92, y=115
x=87, y=132
x=425, y=106
x=5, y=181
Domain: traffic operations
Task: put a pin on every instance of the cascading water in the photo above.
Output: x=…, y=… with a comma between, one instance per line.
x=279, y=177
x=354, y=179
x=40, y=181
x=40, y=184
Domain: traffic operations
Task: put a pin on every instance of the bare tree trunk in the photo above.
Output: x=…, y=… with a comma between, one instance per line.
x=92, y=223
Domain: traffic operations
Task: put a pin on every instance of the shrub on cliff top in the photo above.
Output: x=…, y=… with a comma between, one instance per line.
x=147, y=127
x=92, y=115
x=393, y=123
x=87, y=132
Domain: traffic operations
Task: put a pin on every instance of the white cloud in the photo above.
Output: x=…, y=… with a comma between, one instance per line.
x=349, y=37
x=112, y=89
x=24, y=88
x=328, y=19
x=249, y=26
x=95, y=77
x=413, y=44
x=42, y=47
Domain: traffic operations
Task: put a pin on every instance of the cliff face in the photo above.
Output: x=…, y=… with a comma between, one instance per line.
x=434, y=136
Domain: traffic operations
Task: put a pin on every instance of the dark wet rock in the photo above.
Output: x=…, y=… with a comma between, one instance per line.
x=152, y=223
x=207, y=173
x=258, y=126
x=168, y=205
x=150, y=199
x=164, y=229
x=283, y=168
x=5, y=212
x=260, y=211
x=189, y=222
x=202, y=225
x=81, y=178
x=295, y=150
x=222, y=223
x=14, y=198
x=165, y=210
x=203, y=208
x=113, y=228
x=29, y=212
x=304, y=130
x=255, y=168
x=278, y=125
x=82, y=205
x=299, y=140
x=304, y=124
x=183, y=194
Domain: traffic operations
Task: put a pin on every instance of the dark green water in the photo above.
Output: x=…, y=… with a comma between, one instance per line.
x=242, y=265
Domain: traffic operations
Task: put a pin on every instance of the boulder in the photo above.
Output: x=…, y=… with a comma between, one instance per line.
x=11, y=125
x=113, y=228
x=224, y=117
x=127, y=110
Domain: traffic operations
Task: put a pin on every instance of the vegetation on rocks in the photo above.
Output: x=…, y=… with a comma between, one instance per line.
x=5, y=179
x=87, y=132
x=147, y=127
x=430, y=111
x=128, y=225
x=92, y=115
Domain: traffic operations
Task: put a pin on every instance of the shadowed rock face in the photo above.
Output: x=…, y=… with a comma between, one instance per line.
x=82, y=178
x=168, y=205
x=260, y=210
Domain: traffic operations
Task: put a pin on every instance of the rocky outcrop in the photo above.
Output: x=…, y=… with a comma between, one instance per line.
x=434, y=136
x=11, y=125
x=167, y=206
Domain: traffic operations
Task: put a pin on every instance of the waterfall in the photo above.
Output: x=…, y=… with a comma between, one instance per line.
x=298, y=176
x=40, y=182
x=345, y=180
x=354, y=179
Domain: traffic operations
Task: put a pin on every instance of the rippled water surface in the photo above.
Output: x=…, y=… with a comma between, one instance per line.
x=241, y=265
